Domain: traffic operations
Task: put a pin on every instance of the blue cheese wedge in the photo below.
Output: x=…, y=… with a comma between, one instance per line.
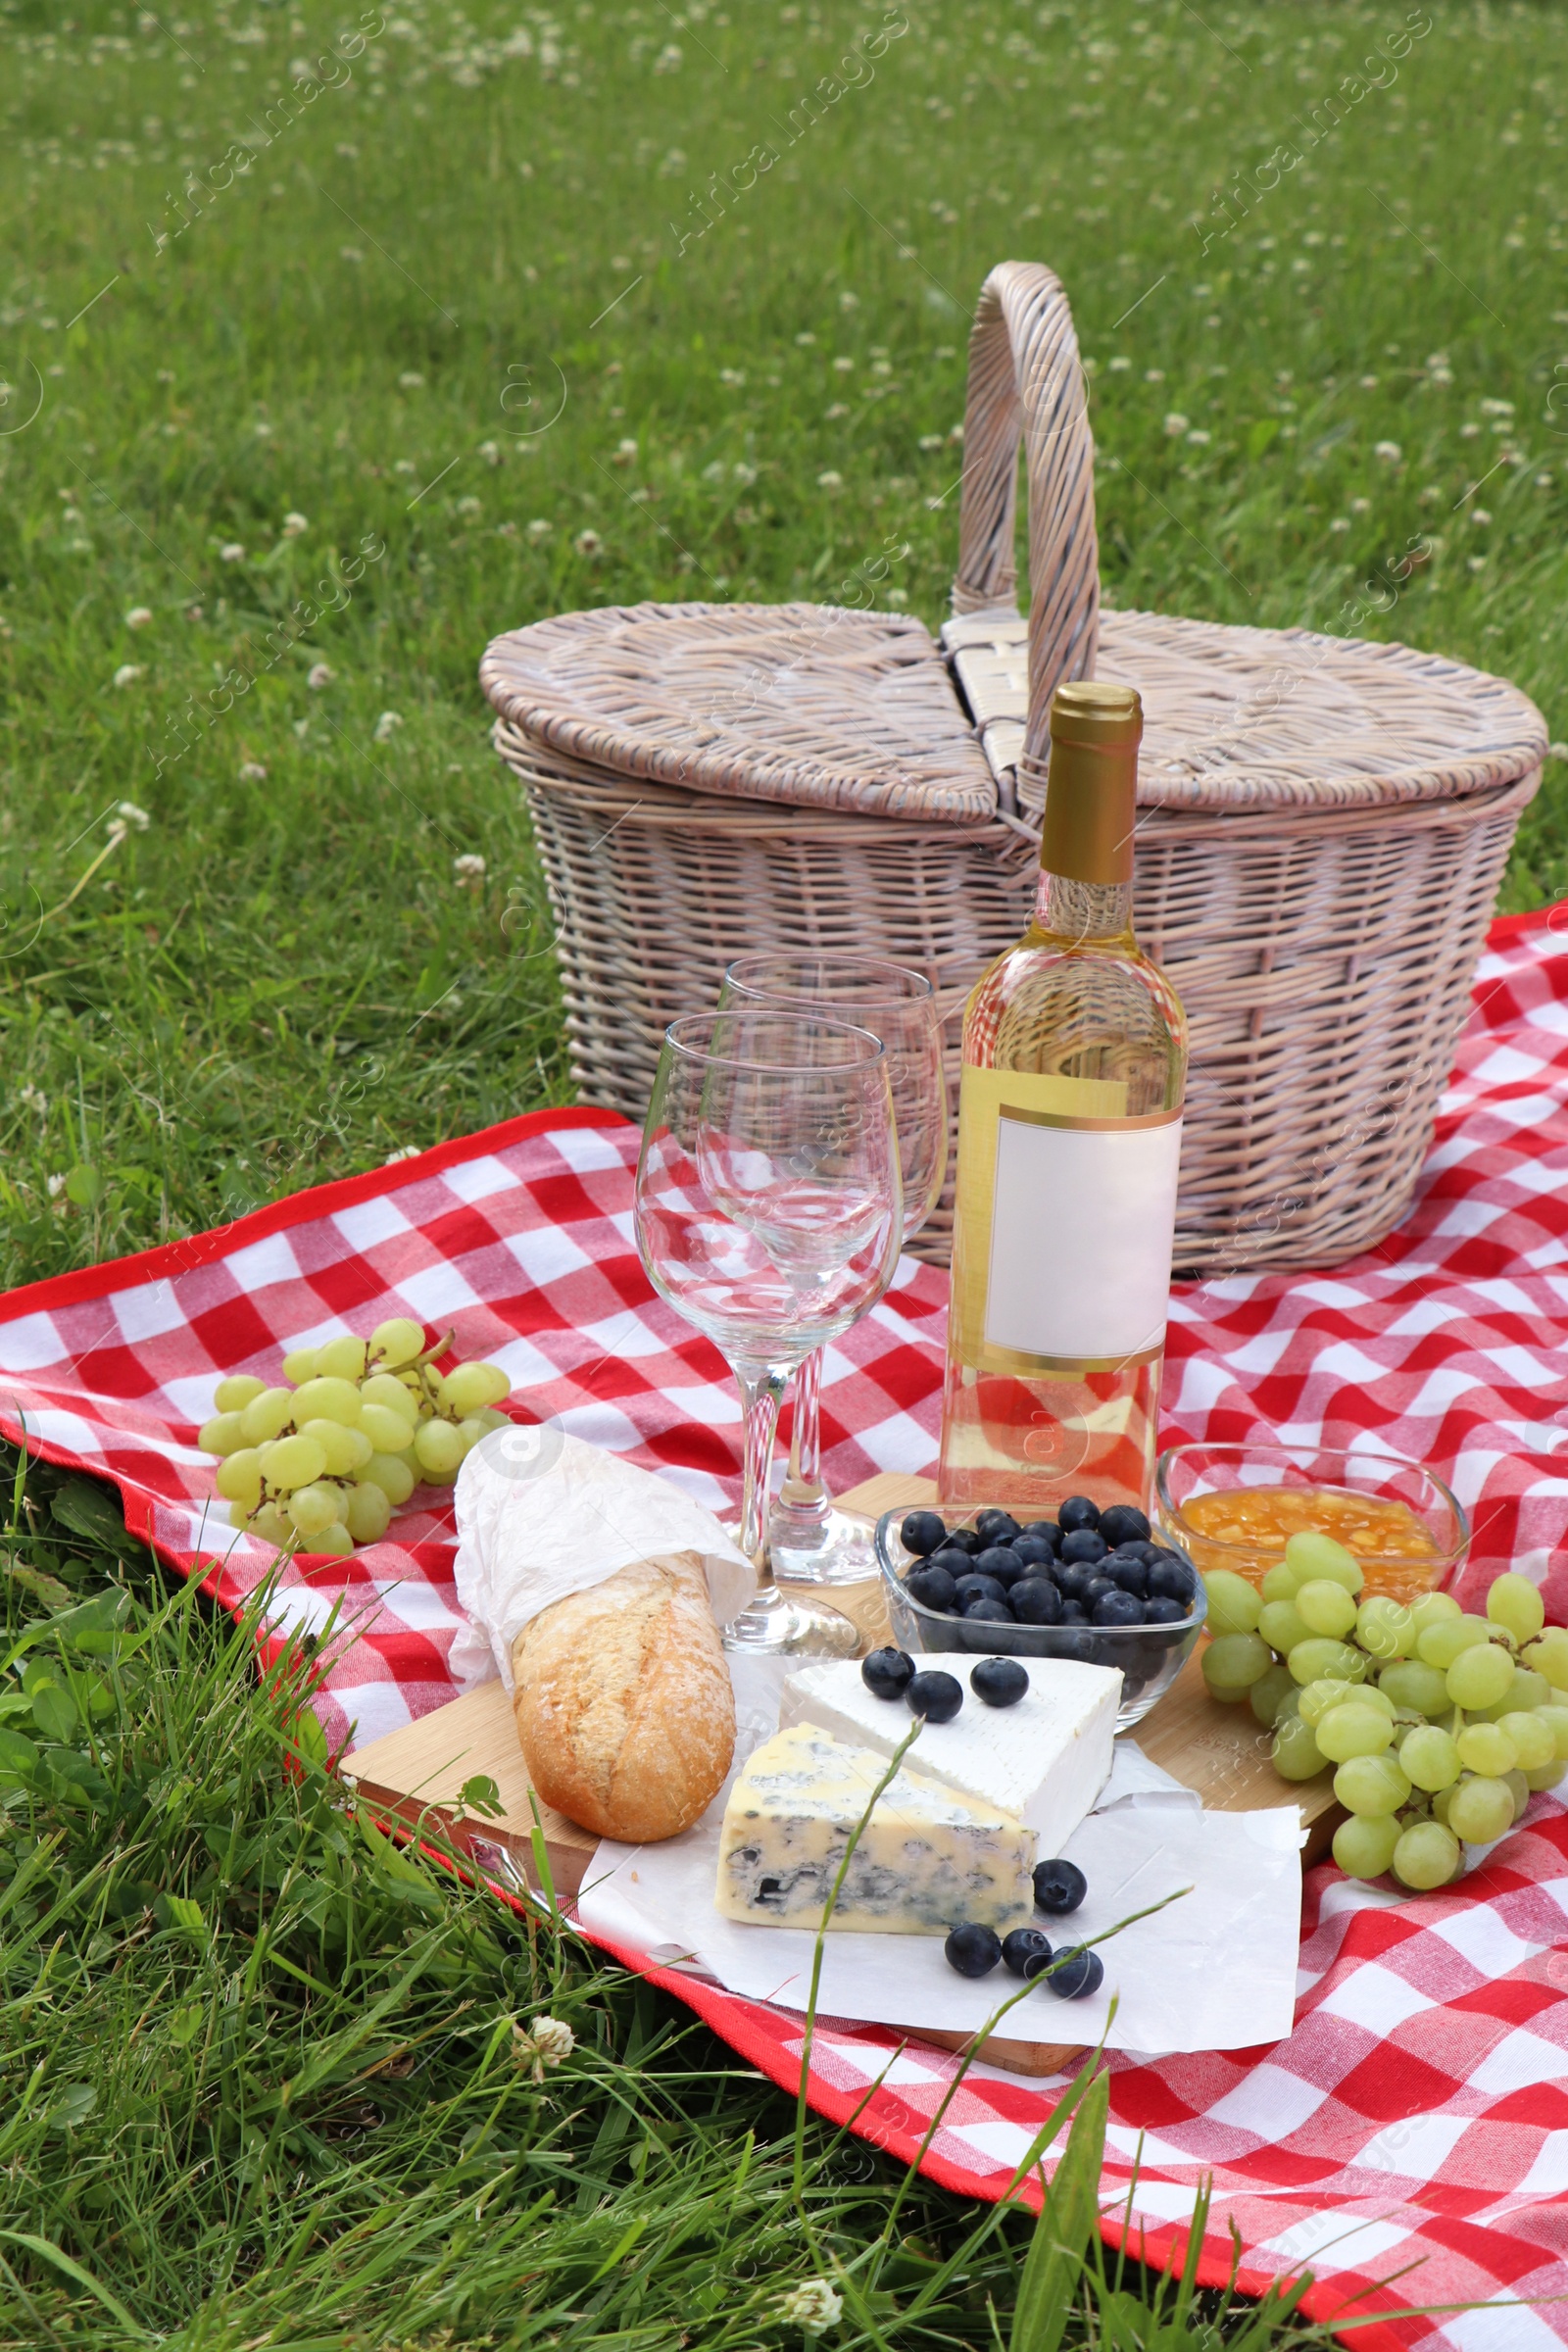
x=1043, y=1760
x=926, y=1859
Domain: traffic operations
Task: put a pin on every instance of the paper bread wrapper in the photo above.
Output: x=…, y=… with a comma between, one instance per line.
x=541, y=1515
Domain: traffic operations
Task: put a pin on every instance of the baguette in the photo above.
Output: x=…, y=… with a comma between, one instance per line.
x=624, y=1701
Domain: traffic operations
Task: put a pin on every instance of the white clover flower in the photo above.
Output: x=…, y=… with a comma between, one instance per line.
x=588, y=543
x=1543, y=481
x=350, y=253
x=409, y=1152
x=848, y=301
x=1480, y=516
x=55, y=1186
x=1198, y=436
x=252, y=772
x=844, y=364
x=930, y=440
x=1477, y=562
x=745, y=475
x=128, y=672
x=231, y=552
x=469, y=871
x=1153, y=375
x=830, y=481
x=625, y=454
x=1368, y=383
x=469, y=505
x=138, y=617
x=550, y=2042
x=1176, y=422
x=539, y=529
x=262, y=429
x=1341, y=522
x=318, y=675
x=32, y=1099
x=293, y=525
x=130, y=814
x=714, y=472
x=491, y=452
x=1119, y=362
x=1496, y=408
x=386, y=726
x=813, y=2305
x=1389, y=451
x=1360, y=506
x=410, y=379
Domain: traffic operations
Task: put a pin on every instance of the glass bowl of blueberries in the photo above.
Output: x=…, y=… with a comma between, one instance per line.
x=1088, y=1585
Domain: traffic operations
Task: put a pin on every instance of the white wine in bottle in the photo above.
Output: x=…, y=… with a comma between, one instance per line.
x=1069, y=1132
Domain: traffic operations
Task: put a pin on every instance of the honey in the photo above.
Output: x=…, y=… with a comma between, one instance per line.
x=1254, y=1524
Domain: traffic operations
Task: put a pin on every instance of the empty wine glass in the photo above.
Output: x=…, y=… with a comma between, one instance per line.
x=807, y=1538
x=769, y=1214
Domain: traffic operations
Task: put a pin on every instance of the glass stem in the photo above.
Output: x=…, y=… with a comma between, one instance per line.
x=804, y=1482
x=762, y=1391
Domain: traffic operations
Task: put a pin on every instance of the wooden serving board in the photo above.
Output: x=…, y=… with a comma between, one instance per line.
x=416, y=1775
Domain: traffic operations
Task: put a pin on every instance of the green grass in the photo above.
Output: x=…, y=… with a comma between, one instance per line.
x=282, y=978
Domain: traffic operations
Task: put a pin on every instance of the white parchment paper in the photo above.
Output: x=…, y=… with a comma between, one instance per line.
x=1214, y=1971
x=541, y=1514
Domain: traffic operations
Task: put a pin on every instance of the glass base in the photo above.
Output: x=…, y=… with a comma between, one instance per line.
x=779, y=1625
x=827, y=1548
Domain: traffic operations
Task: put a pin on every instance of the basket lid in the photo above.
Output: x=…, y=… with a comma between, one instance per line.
x=1249, y=718
x=813, y=703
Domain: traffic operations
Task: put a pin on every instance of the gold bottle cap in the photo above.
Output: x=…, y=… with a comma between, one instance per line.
x=1096, y=713
x=1090, y=792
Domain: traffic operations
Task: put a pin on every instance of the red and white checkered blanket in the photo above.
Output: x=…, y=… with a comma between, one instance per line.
x=1418, y=2114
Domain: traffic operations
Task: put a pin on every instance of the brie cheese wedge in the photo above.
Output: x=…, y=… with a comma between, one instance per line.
x=1043, y=1760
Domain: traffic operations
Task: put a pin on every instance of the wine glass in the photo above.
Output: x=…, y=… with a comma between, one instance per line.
x=769, y=1214
x=808, y=1540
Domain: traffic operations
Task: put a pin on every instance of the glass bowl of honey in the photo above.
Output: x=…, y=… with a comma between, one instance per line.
x=1237, y=1505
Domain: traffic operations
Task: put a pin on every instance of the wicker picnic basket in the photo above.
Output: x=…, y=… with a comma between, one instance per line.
x=1323, y=825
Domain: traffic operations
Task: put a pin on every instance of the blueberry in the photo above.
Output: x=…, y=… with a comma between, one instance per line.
x=996, y=1527
x=1118, y=1608
x=1026, y=1951
x=1001, y=1561
x=1000, y=1682
x=1078, y=1511
x=886, y=1673
x=1148, y=1554
x=1131, y=1575
x=1161, y=1609
x=1073, y=1612
x=1046, y=1531
x=1036, y=1600
x=1082, y=1643
x=1096, y=1589
x=1059, y=1886
x=1077, y=1974
x=1170, y=1578
x=973, y=1950
x=933, y=1589
x=1084, y=1543
x=1122, y=1523
x=964, y=1538
x=923, y=1532
x=1034, y=1551
x=989, y=1612
x=979, y=1587
x=935, y=1695
x=951, y=1558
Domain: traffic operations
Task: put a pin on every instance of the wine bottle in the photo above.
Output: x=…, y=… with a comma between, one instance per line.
x=1069, y=1134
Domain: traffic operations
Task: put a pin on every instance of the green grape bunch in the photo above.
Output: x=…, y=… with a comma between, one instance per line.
x=1437, y=1724
x=321, y=1463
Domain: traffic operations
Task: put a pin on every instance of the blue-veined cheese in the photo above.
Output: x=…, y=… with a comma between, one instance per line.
x=1043, y=1760
x=926, y=1859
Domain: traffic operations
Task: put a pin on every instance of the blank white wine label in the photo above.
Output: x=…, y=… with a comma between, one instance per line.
x=1082, y=1225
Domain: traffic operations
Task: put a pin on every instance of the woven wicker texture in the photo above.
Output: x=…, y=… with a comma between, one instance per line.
x=1324, y=822
x=816, y=704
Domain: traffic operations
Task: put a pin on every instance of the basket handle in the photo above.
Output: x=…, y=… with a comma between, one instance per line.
x=1026, y=379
